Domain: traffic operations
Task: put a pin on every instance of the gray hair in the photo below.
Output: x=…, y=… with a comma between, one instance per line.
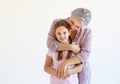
x=83, y=15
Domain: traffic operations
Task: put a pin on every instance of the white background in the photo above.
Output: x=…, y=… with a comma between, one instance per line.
x=24, y=25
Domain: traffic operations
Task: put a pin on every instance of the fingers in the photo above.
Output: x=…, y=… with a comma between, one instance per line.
x=61, y=71
x=62, y=75
x=66, y=76
x=58, y=74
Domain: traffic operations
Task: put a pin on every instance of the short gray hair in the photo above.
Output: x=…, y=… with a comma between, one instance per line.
x=83, y=15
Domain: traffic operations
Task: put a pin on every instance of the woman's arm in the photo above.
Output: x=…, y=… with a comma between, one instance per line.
x=63, y=67
x=85, y=49
x=47, y=66
x=65, y=46
x=52, y=43
x=76, y=69
x=81, y=57
x=85, y=46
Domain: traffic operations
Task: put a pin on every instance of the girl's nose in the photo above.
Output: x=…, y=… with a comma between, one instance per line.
x=62, y=35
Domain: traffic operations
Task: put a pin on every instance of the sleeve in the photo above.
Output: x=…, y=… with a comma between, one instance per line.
x=49, y=53
x=52, y=44
x=85, y=47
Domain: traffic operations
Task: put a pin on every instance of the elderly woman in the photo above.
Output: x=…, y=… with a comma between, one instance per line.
x=81, y=35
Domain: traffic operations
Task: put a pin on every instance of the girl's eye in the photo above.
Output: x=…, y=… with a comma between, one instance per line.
x=64, y=32
x=58, y=33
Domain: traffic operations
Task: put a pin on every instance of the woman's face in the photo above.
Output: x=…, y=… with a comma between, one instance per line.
x=62, y=34
x=74, y=23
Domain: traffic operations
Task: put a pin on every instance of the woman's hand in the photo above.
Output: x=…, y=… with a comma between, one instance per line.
x=75, y=48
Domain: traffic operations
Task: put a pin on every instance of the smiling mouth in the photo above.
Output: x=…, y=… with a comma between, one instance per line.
x=62, y=39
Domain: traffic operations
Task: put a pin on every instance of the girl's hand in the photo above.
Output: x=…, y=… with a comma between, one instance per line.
x=66, y=74
x=61, y=76
x=61, y=71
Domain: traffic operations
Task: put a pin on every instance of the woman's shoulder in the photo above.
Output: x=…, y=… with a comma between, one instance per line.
x=87, y=30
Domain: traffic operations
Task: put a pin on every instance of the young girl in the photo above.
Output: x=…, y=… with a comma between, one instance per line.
x=61, y=31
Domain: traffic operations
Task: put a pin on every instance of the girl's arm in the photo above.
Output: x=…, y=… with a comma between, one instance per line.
x=47, y=66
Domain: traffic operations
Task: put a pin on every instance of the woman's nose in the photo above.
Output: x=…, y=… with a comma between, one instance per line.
x=72, y=26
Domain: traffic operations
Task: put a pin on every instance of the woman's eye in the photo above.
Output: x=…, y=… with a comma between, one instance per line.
x=77, y=27
x=72, y=22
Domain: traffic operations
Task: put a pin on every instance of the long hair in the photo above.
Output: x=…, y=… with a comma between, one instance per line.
x=64, y=23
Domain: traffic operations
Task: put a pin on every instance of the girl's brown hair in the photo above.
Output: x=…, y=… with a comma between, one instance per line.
x=64, y=23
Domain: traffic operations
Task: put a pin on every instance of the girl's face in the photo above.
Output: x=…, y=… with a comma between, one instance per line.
x=74, y=23
x=62, y=34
